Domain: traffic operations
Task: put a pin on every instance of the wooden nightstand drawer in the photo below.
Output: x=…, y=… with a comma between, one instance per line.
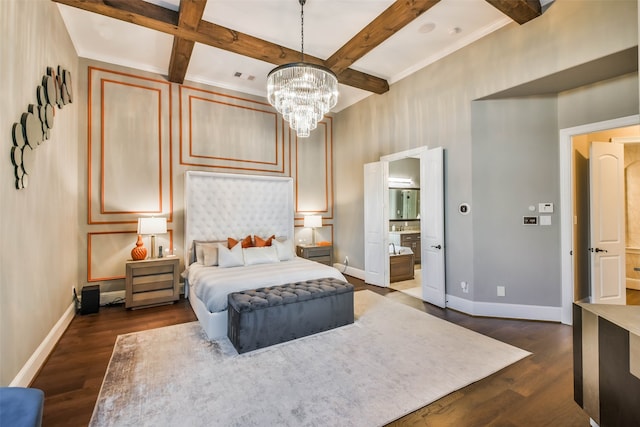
x=321, y=254
x=152, y=283
x=314, y=252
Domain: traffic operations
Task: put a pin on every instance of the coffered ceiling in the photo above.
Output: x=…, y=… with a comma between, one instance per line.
x=233, y=44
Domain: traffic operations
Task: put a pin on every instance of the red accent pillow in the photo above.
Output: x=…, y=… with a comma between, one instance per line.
x=246, y=242
x=260, y=242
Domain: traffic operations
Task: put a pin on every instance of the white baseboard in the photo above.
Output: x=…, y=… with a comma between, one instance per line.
x=111, y=297
x=511, y=311
x=37, y=359
x=350, y=271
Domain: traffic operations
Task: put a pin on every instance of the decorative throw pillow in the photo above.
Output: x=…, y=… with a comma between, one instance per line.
x=246, y=242
x=260, y=242
x=260, y=255
x=230, y=257
x=284, y=249
x=199, y=245
x=210, y=255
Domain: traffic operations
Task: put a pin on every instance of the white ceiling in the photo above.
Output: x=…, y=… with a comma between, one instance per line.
x=328, y=24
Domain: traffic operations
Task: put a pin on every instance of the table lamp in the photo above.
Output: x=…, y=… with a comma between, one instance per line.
x=313, y=222
x=152, y=226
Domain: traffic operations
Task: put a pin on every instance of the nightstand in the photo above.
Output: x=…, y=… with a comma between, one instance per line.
x=321, y=254
x=152, y=282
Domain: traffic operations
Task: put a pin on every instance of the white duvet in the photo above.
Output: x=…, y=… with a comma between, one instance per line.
x=212, y=284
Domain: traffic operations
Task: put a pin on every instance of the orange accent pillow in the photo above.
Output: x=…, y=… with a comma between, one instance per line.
x=260, y=242
x=246, y=242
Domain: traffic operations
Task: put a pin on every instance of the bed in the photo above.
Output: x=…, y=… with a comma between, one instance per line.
x=218, y=206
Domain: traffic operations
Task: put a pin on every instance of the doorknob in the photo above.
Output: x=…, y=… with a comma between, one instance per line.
x=436, y=247
x=597, y=250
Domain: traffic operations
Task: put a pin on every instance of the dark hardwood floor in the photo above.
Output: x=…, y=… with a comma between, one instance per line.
x=536, y=391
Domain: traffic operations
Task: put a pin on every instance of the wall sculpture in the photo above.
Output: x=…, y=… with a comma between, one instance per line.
x=36, y=123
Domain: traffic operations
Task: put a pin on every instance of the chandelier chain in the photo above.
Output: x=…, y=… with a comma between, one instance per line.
x=302, y=29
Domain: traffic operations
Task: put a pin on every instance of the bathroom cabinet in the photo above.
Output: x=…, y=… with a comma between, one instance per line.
x=410, y=239
x=401, y=267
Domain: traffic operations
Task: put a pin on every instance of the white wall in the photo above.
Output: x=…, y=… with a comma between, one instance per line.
x=433, y=107
x=38, y=225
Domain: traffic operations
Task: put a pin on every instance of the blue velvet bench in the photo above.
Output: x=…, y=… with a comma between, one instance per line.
x=21, y=407
x=266, y=316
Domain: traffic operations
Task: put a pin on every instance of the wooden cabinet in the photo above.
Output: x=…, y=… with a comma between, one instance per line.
x=401, y=267
x=409, y=240
x=321, y=254
x=152, y=282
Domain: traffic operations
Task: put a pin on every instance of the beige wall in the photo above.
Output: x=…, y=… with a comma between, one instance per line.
x=433, y=107
x=38, y=225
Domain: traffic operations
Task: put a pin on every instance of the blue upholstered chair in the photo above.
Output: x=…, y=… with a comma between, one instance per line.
x=21, y=407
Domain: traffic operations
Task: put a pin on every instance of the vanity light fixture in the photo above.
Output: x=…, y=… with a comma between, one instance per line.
x=404, y=182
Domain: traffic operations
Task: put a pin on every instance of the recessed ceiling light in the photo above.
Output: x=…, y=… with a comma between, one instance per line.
x=427, y=28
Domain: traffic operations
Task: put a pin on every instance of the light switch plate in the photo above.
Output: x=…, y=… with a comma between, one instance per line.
x=545, y=207
x=545, y=219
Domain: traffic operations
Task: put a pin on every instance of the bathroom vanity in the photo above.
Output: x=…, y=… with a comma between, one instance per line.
x=407, y=238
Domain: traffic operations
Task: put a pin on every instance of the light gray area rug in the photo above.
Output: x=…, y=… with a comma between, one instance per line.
x=393, y=360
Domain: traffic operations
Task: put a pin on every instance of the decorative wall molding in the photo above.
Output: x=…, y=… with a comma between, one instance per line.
x=313, y=171
x=35, y=125
x=228, y=132
x=107, y=252
x=130, y=171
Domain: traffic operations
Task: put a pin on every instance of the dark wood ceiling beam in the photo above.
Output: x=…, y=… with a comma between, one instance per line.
x=158, y=18
x=521, y=11
x=389, y=22
x=189, y=17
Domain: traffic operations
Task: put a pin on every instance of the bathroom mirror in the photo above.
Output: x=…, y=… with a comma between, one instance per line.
x=404, y=203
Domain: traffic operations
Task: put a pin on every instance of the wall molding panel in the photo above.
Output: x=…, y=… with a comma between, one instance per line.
x=228, y=132
x=313, y=171
x=107, y=252
x=129, y=147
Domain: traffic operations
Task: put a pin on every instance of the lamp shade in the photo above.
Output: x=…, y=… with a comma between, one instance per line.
x=313, y=221
x=152, y=225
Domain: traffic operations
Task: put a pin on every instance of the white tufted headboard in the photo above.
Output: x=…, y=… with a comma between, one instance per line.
x=221, y=205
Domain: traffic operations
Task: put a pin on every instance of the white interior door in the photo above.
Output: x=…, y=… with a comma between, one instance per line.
x=432, y=226
x=376, y=218
x=607, y=239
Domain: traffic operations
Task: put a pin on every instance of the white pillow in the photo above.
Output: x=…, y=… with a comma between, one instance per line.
x=261, y=255
x=284, y=249
x=230, y=257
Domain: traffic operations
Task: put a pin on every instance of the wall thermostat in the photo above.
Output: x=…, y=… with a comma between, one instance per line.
x=464, y=208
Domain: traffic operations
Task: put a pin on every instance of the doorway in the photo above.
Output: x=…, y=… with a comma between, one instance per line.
x=376, y=221
x=573, y=167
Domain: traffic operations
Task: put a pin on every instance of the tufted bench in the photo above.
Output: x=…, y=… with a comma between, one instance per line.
x=21, y=407
x=265, y=316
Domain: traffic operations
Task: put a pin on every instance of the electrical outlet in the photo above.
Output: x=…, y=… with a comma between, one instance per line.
x=501, y=291
x=465, y=287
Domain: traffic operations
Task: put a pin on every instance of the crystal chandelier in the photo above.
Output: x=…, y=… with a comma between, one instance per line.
x=303, y=93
